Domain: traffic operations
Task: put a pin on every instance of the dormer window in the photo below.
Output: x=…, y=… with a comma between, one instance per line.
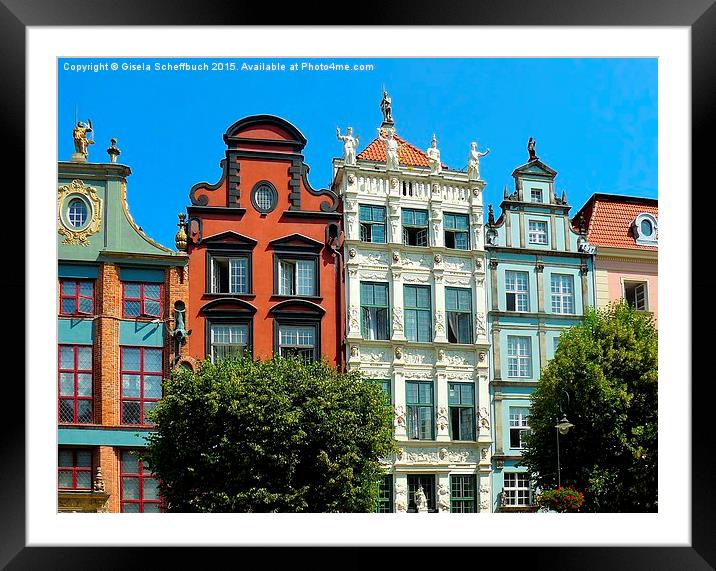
x=536, y=195
x=645, y=229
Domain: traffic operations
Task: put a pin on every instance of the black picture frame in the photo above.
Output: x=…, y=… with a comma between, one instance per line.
x=698, y=15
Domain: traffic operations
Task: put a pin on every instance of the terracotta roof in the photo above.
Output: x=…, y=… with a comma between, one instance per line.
x=609, y=219
x=407, y=154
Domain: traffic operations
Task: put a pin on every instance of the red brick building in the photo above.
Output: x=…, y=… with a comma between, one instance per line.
x=264, y=251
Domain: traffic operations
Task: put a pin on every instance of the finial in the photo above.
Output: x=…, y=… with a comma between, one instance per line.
x=505, y=194
x=564, y=197
x=181, y=239
x=435, y=139
x=98, y=481
x=113, y=151
x=582, y=224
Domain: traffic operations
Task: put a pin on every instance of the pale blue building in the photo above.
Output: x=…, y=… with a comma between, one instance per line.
x=540, y=280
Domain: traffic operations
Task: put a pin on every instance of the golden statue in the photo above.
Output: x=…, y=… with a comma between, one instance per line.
x=79, y=134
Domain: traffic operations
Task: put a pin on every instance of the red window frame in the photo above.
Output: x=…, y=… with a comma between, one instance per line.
x=76, y=297
x=141, y=399
x=142, y=299
x=75, y=469
x=140, y=475
x=76, y=371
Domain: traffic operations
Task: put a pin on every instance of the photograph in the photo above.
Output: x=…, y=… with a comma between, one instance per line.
x=358, y=285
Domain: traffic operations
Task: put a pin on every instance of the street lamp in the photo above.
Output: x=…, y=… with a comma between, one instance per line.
x=562, y=427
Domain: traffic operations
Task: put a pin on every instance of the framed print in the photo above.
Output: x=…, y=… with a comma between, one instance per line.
x=408, y=124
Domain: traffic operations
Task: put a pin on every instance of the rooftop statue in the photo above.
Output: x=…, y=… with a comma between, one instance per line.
x=434, y=157
x=79, y=134
x=473, y=162
x=391, y=148
x=350, y=144
x=531, y=149
x=386, y=106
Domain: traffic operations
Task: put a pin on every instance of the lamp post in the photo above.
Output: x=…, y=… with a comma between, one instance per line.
x=562, y=427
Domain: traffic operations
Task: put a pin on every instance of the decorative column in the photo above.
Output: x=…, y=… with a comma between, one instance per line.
x=497, y=421
x=436, y=219
x=583, y=272
x=442, y=426
x=396, y=272
x=353, y=296
x=401, y=493
x=401, y=432
x=539, y=270
x=440, y=335
x=396, y=233
x=493, y=283
x=352, y=227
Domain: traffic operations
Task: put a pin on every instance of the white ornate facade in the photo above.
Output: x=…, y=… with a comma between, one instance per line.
x=434, y=361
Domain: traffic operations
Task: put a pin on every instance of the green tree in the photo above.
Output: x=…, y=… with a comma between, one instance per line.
x=604, y=378
x=269, y=436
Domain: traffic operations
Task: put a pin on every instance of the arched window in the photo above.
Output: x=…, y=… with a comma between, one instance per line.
x=77, y=213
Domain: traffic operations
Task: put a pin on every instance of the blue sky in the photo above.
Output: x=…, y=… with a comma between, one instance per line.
x=595, y=120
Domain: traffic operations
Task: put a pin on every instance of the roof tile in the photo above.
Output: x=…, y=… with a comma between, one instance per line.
x=407, y=154
x=609, y=220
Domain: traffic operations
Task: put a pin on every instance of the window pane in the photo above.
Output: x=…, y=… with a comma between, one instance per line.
x=68, y=287
x=67, y=357
x=65, y=458
x=423, y=297
x=131, y=290
x=151, y=307
x=84, y=411
x=130, y=412
x=130, y=488
x=151, y=489
x=425, y=393
x=86, y=305
x=148, y=407
x=67, y=411
x=130, y=462
x=67, y=384
x=151, y=508
x=410, y=295
x=86, y=288
x=152, y=387
x=424, y=326
x=378, y=233
x=84, y=358
x=130, y=359
x=64, y=479
x=407, y=216
x=130, y=508
x=84, y=458
x=68, y=305
x=421, y=218
x=152, y=291
x=130, y=386
x=153, y=360
x=84, y=385
x=450, y=298
x=84, y=480
x=132, y=308
x=306, y=277
x=365, y=213
x=381, y=294
x=286, y=277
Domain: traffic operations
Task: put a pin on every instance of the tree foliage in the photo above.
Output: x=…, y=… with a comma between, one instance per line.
x=608, y=368
x=269, y=436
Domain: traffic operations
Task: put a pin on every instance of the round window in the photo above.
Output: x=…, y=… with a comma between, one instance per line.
x=646, y=228
x=77, y=213
x=264, y=197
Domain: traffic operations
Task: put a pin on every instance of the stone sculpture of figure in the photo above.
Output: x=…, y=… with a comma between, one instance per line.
x=490, y=216
x=386, y=106
x=79, y=134
x=531, y=149
x=350, y=144
x=421, y=502
x=391, y=148
x=473, y=162
x=434, y=157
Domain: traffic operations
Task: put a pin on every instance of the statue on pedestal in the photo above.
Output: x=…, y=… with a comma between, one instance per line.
x=350, y=144
x=473, y=162
x=434, y=157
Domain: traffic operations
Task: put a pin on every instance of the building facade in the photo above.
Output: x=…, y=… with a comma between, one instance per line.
x=625, y=230
x=540, y=282
x=118, y=295
x=264, y=252
x=415, y=308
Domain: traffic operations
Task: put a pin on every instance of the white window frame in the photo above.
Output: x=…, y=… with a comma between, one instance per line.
x=300, y=331
x=520, y=295
x=234, y=272
x=645, y=283
x=540, y=195
x=538, y=236
x=295, y=283
x=511, y=490
x=518, y=421
x=213, y=343
x=522, y=361
x=561, y=296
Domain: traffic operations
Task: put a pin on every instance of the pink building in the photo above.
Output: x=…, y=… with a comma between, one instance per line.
x=625, y=231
